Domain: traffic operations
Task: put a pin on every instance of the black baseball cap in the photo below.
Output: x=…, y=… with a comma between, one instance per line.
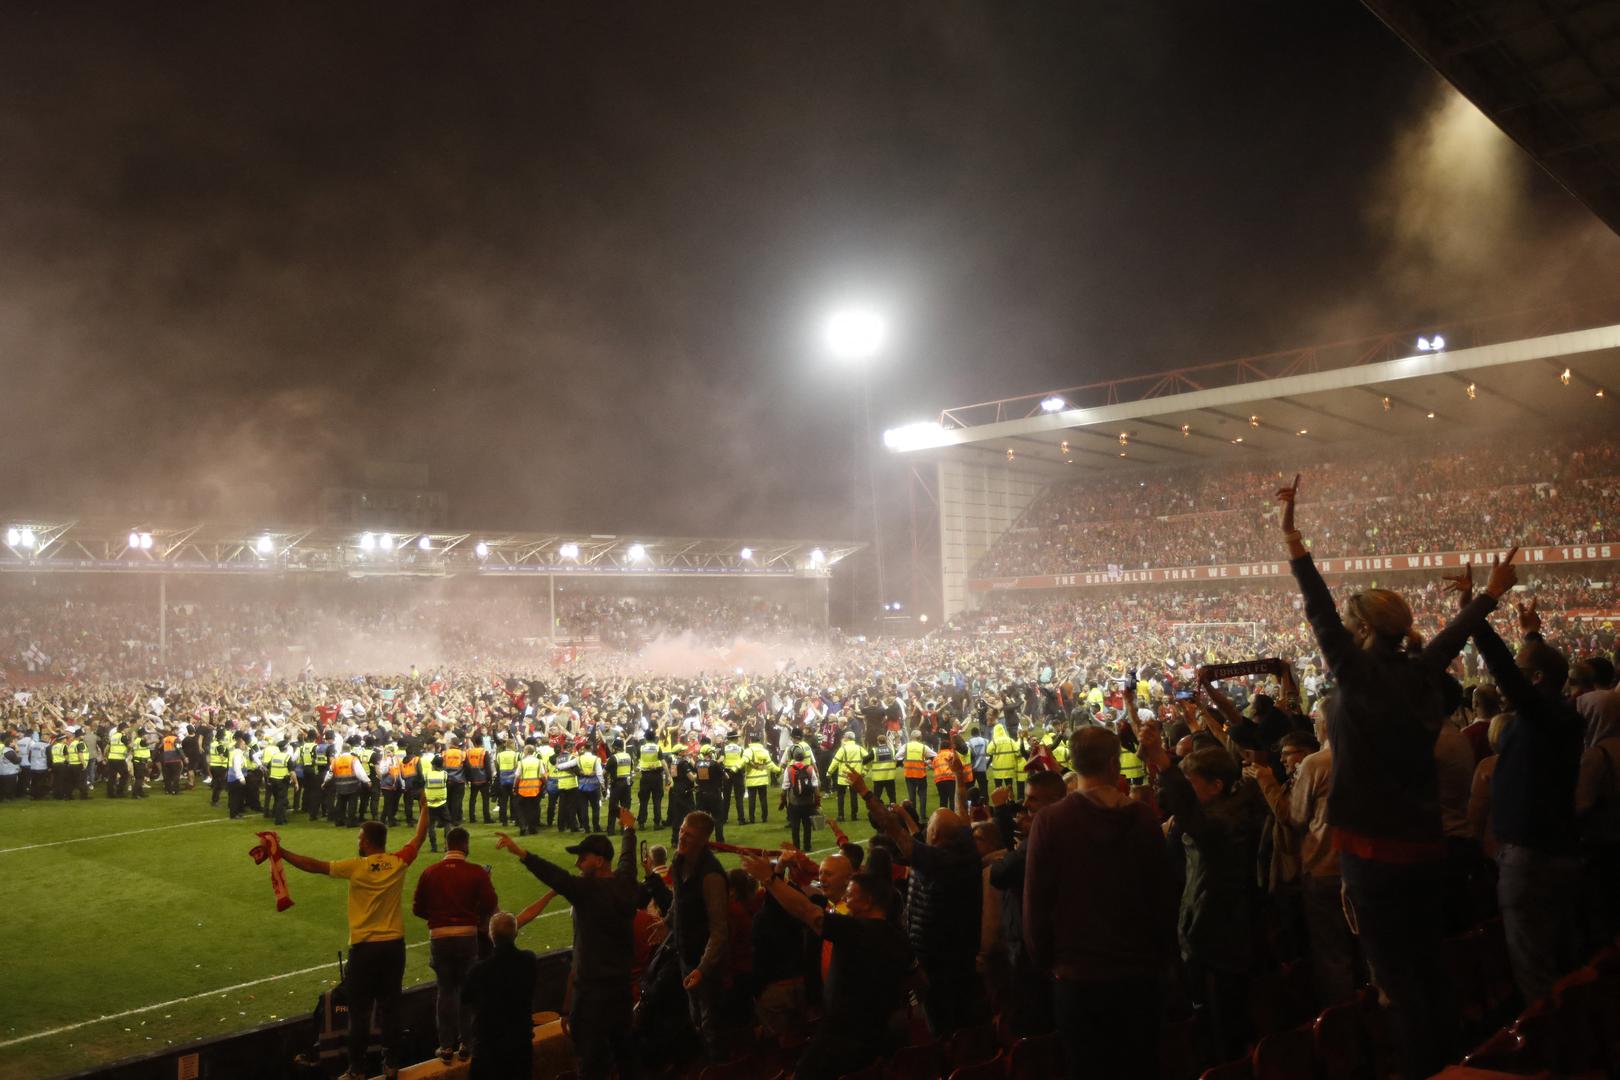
x=594, y=844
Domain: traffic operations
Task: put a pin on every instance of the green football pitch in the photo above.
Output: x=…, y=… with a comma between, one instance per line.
x=134, y=926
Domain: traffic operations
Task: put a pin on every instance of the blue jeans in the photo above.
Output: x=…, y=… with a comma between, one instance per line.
x=1399, y=910
x=1537, y=892
x=452, y=958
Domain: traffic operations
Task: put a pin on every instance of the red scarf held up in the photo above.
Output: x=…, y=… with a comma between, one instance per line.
x=270, y=848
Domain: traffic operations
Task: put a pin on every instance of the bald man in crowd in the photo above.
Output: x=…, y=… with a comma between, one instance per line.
x=500, y=991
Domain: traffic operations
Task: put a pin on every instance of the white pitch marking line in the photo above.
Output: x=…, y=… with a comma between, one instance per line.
x=110, y=836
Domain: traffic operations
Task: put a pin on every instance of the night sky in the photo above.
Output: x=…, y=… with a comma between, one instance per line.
x=573, y=257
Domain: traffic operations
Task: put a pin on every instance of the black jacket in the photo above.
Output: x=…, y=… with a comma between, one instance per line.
x=1533, y=788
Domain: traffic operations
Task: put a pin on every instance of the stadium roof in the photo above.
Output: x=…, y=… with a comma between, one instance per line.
x=31, y=544
x=1547, y=72
x=1484, y=376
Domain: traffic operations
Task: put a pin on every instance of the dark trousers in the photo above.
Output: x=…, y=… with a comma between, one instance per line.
x=439, y=818
x=298, y=792
x=456, y=790
x=801, y=824
x=171, y=777
x=345, y=809
x=854, y=803
x=568, y=811
x=40, y=783
x=600, y=1025
x=591, y=801
x=1332, y=946
x=390, y=813
x=759, y=803
x=947, y=794
x=139, y=776
x=618, y=799
x=1105, y=1026
x=451, y=959
x=216, y=781
x=412, y=796
x=253, y=784
x=315, y=797
x=376, y=970
x=737, y=789
x=1538, y=893
x=713, y=804
x=652, y=789
x=117, y=779
x=679, y=807
x=236, y=798
x=9, y=785
x=917, y=793
x=553, y=796
x=475, y=792
x=503, y=801
x=1398, y=911
x=884, y=790
x=952, y=1000
x=527, y=812
x=278, y=799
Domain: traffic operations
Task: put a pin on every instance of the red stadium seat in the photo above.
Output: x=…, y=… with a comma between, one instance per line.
x=971, y=1045
x=1502, y=1052
x=994, y=1069
x=1035, y=1058
x=923, y=1062
x=1340, y=1039
x=1241, y=1069
x=1286, y=1055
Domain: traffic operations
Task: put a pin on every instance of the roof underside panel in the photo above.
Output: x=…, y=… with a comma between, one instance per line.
x=1547, y=72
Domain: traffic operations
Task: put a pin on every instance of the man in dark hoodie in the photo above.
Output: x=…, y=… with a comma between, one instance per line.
x=1099, y=915
x=1029, y=1001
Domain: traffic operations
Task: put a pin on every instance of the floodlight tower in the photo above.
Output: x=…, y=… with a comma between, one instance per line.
x=856, y=335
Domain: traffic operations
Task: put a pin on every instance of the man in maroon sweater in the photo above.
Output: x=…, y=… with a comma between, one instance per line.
x=456, y=898
x=1099, y=916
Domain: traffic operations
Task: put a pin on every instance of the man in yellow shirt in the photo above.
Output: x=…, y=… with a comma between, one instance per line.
x=376, y=968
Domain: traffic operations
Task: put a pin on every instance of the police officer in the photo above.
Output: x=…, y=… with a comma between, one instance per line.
x=436, y=786
x=651, y=768
x=304, y=769
x=345, y=777
x=410, y=782
x=619, y=769
x=315, y=796
x=278, y=773
x=529, y=780
x=171, y=758
x=1003, y=757
x=117, y=763
x=477, y=768
x=506, y=765
x=456, y=779
x=388, y=780
x=757, y=769
x=219, y=759
x=590, y=788
x=236, y=777
x=682, y=793
x=710, y=781
x=732, y=787
x=140, y=760
x=78, y=757
x=564, y=770
x=849, y=755
x=884, y=771
x=915, y=764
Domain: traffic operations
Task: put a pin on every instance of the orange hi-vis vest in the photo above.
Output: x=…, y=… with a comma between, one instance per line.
x=475, y=757
x=343, y=766
x=945, y=766
x=452, y=758
x=408, y=769
x=916, y=762
x=528, y=778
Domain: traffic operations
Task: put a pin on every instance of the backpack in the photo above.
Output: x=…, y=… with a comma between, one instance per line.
x=800, y=780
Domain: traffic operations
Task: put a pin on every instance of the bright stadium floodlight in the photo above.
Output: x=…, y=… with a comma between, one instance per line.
x=265, y=546
x=13, y=536
x=146, y=541
x=481, y=550
x=1053, y=404
x=368, y=542
x=818, y=557
x=636, y=552
x=855, y=333
x=27, y=538
x=425, y=544
x=746, y=554
x=135, y=540
x=569, y=550
x=386, y=542
x=916, y=436
x=922, y=618
x=1423, y=344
